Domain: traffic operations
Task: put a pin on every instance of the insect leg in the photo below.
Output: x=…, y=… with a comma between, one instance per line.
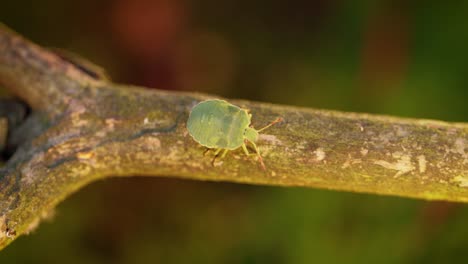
x=258, y=154
x=216, y=154
x=206, y=151
x=224, y=153
x=244, y=147
x=277, y=120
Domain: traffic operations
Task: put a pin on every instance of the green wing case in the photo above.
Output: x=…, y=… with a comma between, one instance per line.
x=218, y=124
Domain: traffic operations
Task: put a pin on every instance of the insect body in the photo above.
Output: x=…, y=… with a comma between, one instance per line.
x=217, y=124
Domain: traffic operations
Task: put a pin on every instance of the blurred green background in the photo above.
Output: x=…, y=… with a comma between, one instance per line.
x=406, y=58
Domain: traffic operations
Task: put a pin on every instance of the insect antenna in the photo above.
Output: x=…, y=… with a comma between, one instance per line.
x=277, y=120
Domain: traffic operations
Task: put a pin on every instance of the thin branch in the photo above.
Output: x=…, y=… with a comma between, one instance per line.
x=89, y=128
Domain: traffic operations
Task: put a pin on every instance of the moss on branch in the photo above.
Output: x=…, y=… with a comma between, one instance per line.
x=89, y=128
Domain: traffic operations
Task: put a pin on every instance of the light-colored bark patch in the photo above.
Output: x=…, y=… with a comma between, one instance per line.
x=364, y=151
x=461, y=180
x=459, y=147
x=319, y=154
x=422, y=162
x=3, y=226
x=273, y=140
x=403, y=165
x=350, y=161
x=85, y=155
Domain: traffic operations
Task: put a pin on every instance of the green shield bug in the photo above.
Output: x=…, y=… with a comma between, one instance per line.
x=217, y=124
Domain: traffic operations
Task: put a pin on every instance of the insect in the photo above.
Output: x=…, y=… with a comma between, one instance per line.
x=217, y=124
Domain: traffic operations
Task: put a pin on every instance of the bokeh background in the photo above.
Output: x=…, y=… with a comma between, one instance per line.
x=405, y=58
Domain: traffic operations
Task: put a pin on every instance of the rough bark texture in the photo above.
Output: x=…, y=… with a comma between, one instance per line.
x=3, y=132
x=85, y=128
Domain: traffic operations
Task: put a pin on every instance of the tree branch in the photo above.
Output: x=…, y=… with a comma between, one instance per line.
x=89, y=128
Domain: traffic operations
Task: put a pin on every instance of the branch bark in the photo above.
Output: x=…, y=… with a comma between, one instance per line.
x=87, y=128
